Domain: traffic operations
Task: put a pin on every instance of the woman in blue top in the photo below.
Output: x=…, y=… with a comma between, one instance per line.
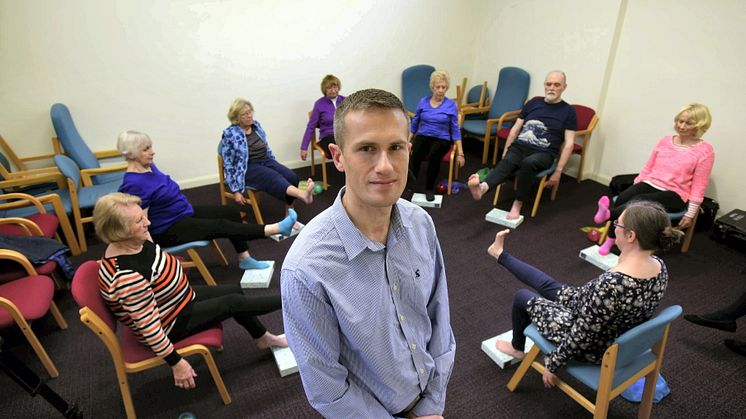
x=173, y=219
x=249, y=162
x=322, y=116
x=435, y=129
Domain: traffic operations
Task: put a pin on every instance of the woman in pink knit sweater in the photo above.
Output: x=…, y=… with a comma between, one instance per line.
x=676, y=174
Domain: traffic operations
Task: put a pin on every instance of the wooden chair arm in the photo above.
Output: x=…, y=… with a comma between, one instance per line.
x=29, y=227
x=38, y=158
x=23, y=201
x=29, y=181
x=8, y=254
x=470, y=110
x=107, y=154
x=506, y=117
x=87, y=174
x=34, y=172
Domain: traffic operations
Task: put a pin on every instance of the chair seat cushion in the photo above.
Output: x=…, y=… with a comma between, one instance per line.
x=48, y=224
x=134, y=351
x=87, y=196
x=10, y=270
x=32, y=295
x=64, y=195
x=477, y=127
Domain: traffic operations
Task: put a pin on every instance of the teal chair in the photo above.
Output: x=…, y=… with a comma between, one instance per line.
x=503, y=110
x=82, y=197
x=69, y=142
x=415, y=84
x=635, y=354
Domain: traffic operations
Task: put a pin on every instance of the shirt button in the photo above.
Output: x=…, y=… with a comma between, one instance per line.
x=413, y=346
x=401, y=317
x=395, y=287
x=422, y=371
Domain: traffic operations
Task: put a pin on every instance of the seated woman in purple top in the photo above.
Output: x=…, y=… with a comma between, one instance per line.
x=322, y=116
x=173, y=219
x=435, y=129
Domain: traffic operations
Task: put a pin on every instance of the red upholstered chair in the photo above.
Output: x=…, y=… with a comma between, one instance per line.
x=28, y=299
x=127, y=353
x=587, y=120
x=35, y=208
x=25, y=227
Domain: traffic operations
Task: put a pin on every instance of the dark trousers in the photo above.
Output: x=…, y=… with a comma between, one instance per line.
x=433, y=149
x=213, y=304
x=324, y=144
x=627, y=193
x=732, y=312
x=208, y=223
x=546, y=286
x=523, y=162
x=272, y=177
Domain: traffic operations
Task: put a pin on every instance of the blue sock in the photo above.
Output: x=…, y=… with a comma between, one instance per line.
x=251, y=263
x=286, y=225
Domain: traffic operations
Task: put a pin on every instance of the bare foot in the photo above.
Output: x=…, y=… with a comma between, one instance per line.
x=515, y=211
x=308, y=196
x=508, y=349
x=476, y=188
x=269, y=340
x=497, y=247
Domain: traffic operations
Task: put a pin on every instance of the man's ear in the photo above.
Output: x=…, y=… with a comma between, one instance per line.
x=337, y=157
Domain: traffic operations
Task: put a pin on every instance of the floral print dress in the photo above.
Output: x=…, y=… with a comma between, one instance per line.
x=584, y=321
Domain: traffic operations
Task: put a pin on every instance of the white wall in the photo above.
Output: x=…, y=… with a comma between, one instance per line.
x=172, y=68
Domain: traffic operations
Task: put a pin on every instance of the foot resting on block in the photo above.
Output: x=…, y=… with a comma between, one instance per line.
x=508, y=349
x=251, y=263
x=269, y=340
x=286, y=225
x=515, y=211
x=603, y=213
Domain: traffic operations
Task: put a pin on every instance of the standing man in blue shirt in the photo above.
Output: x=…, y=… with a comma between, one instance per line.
x=364, y=294
x=543, y=132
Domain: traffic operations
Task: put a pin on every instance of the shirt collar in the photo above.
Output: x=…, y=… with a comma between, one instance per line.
x=354, y=241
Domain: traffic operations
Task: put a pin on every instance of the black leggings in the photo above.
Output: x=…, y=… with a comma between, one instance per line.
x=324, y=144
x=432, y=148
x=208, y=223
x=671, y=201
x=523, y=161
x=214, y=304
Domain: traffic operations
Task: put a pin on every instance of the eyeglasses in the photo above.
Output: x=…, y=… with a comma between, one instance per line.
x=616, y=224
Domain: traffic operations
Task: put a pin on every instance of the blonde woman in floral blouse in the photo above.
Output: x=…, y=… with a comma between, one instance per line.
x=584, y=321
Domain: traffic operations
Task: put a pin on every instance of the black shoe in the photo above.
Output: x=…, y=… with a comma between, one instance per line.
x=737, y=346
x=430, y=195
x=727, y=325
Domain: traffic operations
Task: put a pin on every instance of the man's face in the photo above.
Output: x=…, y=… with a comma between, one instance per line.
x=554, y=85
x=375, y=157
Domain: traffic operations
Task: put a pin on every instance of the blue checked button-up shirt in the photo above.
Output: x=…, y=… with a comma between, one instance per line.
x=369, y=324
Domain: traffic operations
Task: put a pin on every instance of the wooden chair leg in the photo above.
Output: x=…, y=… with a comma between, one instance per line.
x=523, y=368
x=254, y=198
x=542, y=182
x=325, y=183
x=124, y=389
x=450, y=173
x=605, y=382
x=313, y=160
x=580, y=166
x=57, y=316
x=219, y=253
x=197, y=261
x=486, y=148
x=497, y=195
x=689, y=235
x=216, y=377
x=38, y=349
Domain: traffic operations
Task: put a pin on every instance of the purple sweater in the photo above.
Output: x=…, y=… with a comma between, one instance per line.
x=160, y=195
x=322, y=117
x=440, y=122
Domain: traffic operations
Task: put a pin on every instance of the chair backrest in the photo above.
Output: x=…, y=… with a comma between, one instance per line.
x=415, y=84
x=5, y=168
x=68, y=168
x=475, y=93
x=641, y=338
x=584, y=116
x=86, y=292
x=511, y=91
x=70, y=139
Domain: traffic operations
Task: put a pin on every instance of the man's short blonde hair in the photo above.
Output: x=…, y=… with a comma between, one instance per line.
x=700, y=114
x=236, y=107
x=108, y=217
x=439, y=75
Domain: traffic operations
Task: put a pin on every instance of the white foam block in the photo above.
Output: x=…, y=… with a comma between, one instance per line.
x=258, y=278
x=497, y=216
x=294, y=232
x=421, y=200
x=285, y=360
x=502, y=360
x=590, y=254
